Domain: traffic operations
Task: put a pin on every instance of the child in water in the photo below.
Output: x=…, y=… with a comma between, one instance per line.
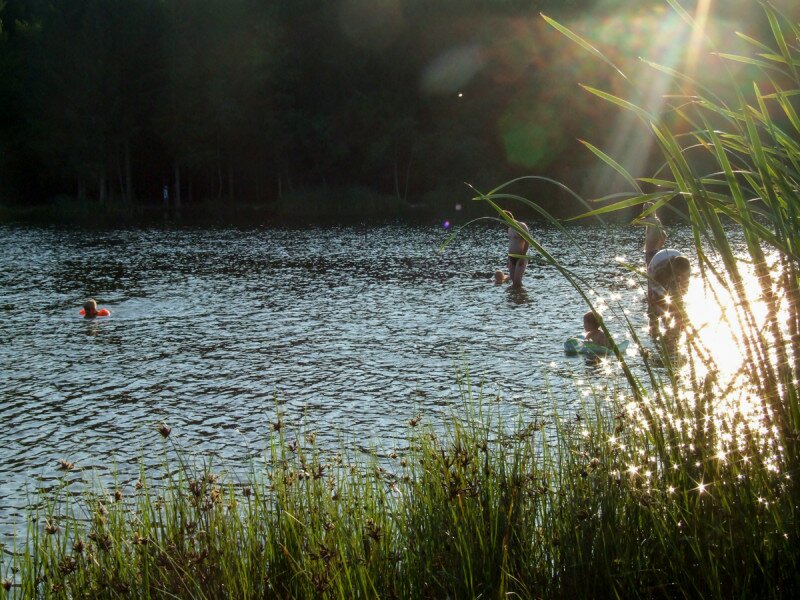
x=594, y=335
x=90, y=310
x=500, y=277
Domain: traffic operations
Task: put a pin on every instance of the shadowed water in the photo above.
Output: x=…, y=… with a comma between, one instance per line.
x=351, y=330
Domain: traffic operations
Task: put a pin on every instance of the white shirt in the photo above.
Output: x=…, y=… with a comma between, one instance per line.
x=658, y=262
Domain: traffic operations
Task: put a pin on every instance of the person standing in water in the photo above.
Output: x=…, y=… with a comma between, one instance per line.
x=516, y=245
x=654, y=234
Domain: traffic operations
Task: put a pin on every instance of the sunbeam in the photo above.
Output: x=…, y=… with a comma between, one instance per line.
x=698, y=33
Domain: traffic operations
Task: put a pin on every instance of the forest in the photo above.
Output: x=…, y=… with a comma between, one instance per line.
x=284, y=103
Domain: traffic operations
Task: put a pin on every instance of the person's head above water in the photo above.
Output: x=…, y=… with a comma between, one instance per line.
x=90, y=308
x=682, y=271
x=675, y=275
x=590, y=321
x=499, y=276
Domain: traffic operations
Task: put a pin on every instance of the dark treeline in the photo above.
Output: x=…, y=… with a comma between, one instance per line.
x=255, y=101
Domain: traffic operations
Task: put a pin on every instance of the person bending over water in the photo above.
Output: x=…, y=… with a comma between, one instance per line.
x=594, y=335
x=516, y=245
x=668, y=272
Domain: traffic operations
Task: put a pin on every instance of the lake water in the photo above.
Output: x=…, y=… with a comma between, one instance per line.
x=350, y=330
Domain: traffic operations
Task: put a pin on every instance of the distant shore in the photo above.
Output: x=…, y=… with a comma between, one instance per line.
x=318, y=206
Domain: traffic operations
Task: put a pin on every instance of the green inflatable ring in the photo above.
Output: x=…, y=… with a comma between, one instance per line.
x=575, y=345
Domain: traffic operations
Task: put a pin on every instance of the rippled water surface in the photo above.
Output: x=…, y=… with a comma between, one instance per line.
x=350, y=330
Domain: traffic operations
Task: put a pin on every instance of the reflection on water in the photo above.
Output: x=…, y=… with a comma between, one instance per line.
x=352, y=331
x=517, y=295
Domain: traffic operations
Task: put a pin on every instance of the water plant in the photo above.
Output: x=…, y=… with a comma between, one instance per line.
x=730, y=164
x=610, y=501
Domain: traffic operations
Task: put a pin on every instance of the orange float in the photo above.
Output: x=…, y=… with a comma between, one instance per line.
x=103, y=312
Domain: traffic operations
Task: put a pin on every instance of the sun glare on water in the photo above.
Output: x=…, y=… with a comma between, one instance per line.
x=714, y=355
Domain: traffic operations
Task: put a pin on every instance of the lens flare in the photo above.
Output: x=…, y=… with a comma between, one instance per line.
x=452, y=70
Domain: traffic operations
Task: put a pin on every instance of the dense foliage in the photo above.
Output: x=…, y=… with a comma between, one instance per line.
x=249, y=100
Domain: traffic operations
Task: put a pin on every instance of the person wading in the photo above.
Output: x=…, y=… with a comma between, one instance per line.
x=516, y=245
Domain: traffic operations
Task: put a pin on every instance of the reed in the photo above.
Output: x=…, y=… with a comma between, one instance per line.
x=731, y=162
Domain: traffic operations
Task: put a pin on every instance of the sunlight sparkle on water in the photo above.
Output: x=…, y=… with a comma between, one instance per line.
x=716, y=335
x=713, y=314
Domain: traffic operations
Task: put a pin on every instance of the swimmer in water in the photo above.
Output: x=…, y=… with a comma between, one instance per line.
x=594, y=335
x=90, y=310
x=500, y=277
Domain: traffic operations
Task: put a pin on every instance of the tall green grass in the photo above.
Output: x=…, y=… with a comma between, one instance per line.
x=652, y=493
x=611, y=504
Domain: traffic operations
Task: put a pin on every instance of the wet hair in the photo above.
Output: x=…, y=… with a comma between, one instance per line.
x=591, y=321
x=499, y=275
x=90, y=306
x=680, y=265
x=676, y=268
